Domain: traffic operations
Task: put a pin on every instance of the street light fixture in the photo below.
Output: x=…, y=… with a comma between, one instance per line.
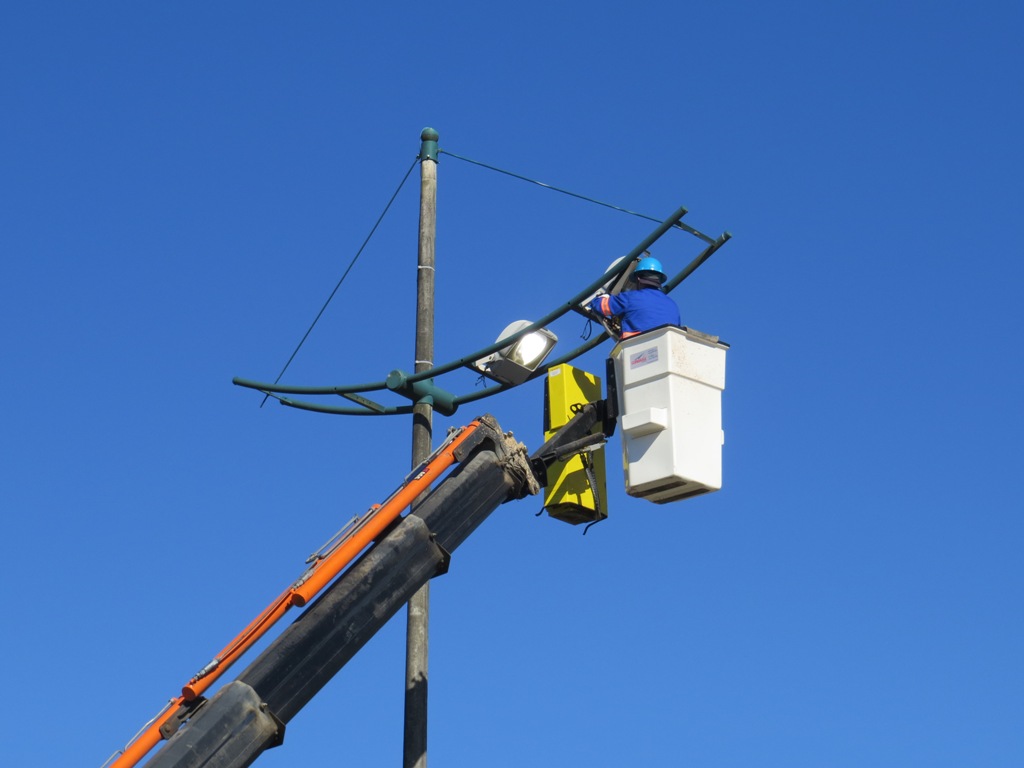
x=515, y=363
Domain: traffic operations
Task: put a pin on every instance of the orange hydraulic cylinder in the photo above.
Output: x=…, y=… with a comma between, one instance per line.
x=242, y=642
x=319, y=575
x=331, y=565
x=323, y=571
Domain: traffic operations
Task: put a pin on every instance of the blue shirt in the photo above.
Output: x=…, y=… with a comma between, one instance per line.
x=640, y=310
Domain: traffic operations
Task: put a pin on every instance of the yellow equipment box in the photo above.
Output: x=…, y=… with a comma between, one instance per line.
x=575, y=492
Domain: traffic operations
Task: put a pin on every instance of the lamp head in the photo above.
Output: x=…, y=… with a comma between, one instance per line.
x=515, y=363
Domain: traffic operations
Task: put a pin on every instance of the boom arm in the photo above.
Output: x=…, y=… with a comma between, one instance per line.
x=324, y=566
x=492, y=468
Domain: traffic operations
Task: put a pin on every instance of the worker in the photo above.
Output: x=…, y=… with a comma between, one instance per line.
x=644, y=308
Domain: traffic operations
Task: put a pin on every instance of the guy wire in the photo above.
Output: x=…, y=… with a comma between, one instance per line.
x=349, y=269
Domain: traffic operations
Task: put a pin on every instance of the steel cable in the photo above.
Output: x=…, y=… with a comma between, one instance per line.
x=349, y=269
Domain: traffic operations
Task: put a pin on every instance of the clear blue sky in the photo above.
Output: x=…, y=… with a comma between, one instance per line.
x=182, y=186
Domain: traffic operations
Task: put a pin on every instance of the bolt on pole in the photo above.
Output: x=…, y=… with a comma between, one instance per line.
x=418, y=613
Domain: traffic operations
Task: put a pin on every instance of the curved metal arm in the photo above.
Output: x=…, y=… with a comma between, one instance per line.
x=468, y=360
x=701, y=258
x=286, y=390
x=346, y=410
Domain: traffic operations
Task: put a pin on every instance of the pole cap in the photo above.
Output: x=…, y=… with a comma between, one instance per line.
x=428, y=149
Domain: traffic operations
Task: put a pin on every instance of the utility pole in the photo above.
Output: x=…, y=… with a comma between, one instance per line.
x=417, y=626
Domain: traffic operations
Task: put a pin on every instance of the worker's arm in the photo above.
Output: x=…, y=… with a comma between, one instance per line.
x=607, y=305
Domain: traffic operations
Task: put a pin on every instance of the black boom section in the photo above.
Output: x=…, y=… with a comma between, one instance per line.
x=293, y=668
x=455, y=508
x=308, y=654
x=232, y=729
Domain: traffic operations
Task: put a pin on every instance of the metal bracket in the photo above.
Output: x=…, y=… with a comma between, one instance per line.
x=482, y=433
x=572, y=438
x=446, y=558
x=611, y=402
x=185, y=711
x=278, y=739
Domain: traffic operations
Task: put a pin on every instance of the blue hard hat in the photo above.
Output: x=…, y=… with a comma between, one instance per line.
x=652, y=267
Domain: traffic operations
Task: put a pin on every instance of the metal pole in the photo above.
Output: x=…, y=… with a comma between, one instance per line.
x=416, y=639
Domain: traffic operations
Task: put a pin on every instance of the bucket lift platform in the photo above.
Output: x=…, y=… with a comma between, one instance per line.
x=669, y=385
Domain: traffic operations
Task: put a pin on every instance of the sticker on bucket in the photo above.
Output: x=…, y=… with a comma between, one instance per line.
x=643, y=358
